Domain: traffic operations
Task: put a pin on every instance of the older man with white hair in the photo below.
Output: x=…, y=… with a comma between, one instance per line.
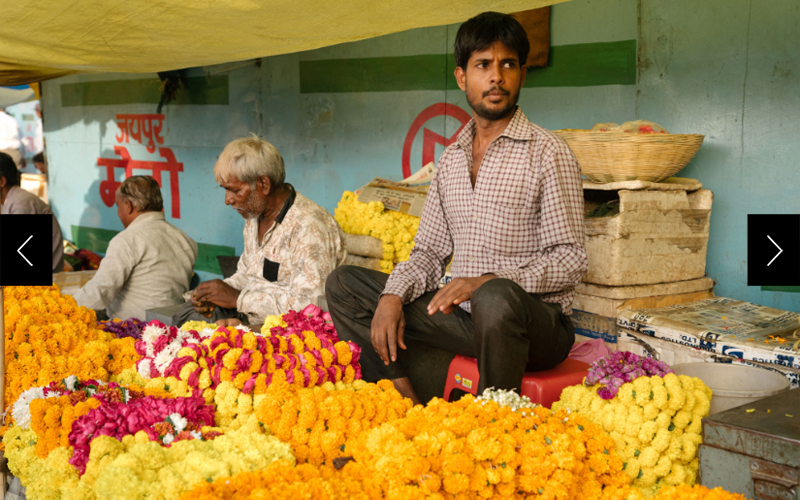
x=147, y=265
x=291, y=244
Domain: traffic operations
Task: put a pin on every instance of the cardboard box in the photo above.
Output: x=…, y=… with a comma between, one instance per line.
x=728, y=327
x=595, y=308
x=657, y=237
x=69, y=283
x=674, y=353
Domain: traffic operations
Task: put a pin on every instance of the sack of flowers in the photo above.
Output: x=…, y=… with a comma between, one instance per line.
x=652, y=414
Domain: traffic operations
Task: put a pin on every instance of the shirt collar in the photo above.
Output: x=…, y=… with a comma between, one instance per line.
x=286, y=205
x=146, y=217
x=519, y=129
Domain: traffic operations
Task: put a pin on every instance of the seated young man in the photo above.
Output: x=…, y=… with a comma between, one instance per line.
x=147, y=265
x=506, y=204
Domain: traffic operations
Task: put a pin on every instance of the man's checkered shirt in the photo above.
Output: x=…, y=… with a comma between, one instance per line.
x=522, y=221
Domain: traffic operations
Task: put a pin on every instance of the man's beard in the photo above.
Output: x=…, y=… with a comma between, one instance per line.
x=491, y=114
x=254, y=207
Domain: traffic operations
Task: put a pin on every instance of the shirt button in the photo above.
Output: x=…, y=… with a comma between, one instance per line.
x=472, y=259
x=474, y=217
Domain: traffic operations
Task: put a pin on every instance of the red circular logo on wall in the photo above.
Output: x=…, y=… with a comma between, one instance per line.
x=430, y=138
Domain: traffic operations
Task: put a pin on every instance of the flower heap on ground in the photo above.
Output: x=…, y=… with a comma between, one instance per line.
x=300, y=348
x=49, y=337
x=679, y=492
x=319, y=423
x=396, y=230
x=468, y=449
x=655, y=422
x=136, y=468
x=50, y=411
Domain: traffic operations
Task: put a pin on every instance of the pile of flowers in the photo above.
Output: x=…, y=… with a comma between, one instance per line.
x=48, y=338
x=395, y=229
x=130, y=327
x=468, y=449
x=617, y=368
x=136, y=467
x=655, y=422
x=162, y=420
x=302, y=349
x=320, y=422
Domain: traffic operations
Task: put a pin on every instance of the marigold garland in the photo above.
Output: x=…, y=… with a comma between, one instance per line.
x=49, y=337
x=396, y=230
x=655, y=422
x=132, y=469
x=319, y=422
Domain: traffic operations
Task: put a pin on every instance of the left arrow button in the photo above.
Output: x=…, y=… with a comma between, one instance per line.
x=19, y=250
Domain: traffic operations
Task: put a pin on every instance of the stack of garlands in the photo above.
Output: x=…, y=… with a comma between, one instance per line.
x=654, y=417
x=468, y=449
x=299, y=348
x=320, y=422
x=48, y=338
x=396, y=230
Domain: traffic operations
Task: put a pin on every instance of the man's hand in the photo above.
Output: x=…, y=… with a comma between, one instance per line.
x=200, y=307
x=457, y=291
x=387, y=328
x=217, y=293
x=229, y=322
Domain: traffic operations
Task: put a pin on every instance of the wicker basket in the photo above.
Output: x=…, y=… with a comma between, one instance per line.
x=619, y=156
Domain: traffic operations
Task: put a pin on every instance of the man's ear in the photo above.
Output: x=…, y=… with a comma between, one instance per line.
x=3, y=181
x=524, y=71
x=461, y=78
x=264, y=185
x=129, y=208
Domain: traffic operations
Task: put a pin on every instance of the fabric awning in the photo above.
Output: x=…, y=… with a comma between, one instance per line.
x=43, y=39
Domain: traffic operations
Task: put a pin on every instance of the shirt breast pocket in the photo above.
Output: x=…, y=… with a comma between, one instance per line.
x=271, y=270
x=509, y=230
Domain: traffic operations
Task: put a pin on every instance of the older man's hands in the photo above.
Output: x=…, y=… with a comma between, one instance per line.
x=212, y=294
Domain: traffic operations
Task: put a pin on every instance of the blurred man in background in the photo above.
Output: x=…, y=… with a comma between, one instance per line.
x=16, y=201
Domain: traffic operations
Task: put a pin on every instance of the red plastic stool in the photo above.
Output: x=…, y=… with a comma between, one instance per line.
x=542, y=387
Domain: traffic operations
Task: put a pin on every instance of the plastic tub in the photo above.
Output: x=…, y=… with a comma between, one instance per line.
x=734, y=385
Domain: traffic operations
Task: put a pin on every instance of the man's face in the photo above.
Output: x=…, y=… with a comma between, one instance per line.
x=249, y=202
x=492, y=81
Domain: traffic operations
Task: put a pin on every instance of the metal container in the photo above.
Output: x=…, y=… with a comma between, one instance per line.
x=754, y=449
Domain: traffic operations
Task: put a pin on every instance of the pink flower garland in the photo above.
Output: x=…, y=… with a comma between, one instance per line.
x=117, y=420
x=621, y=367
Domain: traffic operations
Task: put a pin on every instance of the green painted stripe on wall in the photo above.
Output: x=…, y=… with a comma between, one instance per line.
x=580, y=65
x=92, y=238
x=96, y=240
x=199, y=90
x=207, y=257
x=790, y=289
x=587, y=65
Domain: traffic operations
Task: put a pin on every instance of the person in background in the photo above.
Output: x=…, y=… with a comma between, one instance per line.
x=10, y=142
x=38, y=132
x=291, y=244
x=16, y=201
x=506, y=204
x=147, y=265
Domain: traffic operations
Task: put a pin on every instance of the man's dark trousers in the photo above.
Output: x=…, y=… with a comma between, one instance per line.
x=509, y=330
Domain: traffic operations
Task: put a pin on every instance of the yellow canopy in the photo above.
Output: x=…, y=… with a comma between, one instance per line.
x=43, y=39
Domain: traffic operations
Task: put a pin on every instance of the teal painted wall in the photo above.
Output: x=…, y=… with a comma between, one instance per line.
x=724, y=68
x=331, y=140
x=729, y=69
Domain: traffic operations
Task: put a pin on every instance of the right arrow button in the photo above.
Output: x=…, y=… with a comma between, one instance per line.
x=780, y=250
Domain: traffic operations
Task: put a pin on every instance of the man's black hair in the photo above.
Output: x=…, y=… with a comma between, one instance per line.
x=8, y=169
x=484, y=29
